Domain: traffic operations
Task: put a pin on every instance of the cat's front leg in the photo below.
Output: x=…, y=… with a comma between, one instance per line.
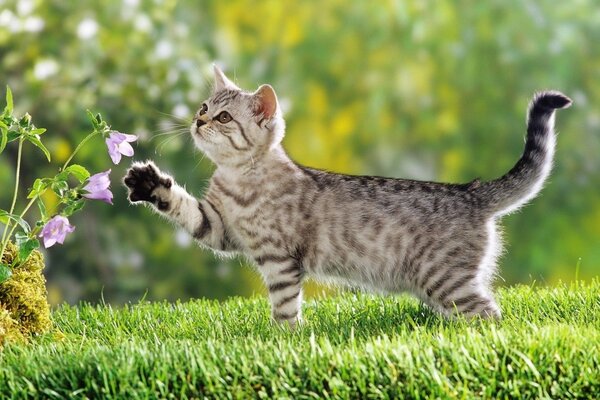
x=283, y=277
x=200, y=218
x=147, y=183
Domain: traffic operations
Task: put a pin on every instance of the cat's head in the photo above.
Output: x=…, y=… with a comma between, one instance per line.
x=234, y=127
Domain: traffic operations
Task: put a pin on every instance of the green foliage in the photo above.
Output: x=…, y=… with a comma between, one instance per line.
x=77, y=171
x=418, y=89
x=4, y=127
x=5, y=272
x=26, y=245
x=5, y=217
x=70, y=197
x=351, y=346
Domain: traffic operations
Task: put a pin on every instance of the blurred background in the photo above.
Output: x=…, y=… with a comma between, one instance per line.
x=433, y=90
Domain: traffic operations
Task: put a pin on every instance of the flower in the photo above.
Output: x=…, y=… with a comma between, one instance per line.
x=118, y=143
x=97, y=187
x=56, y=230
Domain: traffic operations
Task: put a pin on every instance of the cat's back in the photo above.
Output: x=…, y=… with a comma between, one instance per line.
x=393, y=196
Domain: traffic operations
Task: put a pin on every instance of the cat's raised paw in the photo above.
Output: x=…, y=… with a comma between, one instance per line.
x=143, y=181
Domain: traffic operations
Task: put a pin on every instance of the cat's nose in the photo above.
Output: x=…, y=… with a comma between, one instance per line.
x=199, y=123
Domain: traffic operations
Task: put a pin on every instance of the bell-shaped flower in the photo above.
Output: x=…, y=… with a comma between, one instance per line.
x=118, y=145
x=56, y=230
x=97, y=187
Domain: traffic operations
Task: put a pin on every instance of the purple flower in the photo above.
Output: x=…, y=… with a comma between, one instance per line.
x=97, y=187
x=118, y=143
x=56, y=230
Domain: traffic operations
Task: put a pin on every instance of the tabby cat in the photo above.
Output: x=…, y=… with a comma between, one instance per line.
x=437, y=241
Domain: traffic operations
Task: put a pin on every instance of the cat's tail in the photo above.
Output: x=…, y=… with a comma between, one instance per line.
x=524, y=181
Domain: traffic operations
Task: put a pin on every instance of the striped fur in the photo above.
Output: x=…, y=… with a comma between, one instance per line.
x=438, y=241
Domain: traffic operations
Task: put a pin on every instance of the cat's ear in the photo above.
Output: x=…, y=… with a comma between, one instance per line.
x=221, y=81
x=265, y=102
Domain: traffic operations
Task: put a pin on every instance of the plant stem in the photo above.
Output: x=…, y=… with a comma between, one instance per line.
x=5, y=238
x=79, y=146
x=22, y=214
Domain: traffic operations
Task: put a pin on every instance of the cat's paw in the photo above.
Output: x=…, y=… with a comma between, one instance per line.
x=147, y=183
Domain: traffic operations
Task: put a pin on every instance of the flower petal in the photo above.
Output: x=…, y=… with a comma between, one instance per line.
x=117, y=137
x=49, y=242
x=115, y=156
x=130, y=138
x=98, y=181
x=60, y=237
x=112, y=142
x=126, y=149
x=113, y=149
x=103, y=195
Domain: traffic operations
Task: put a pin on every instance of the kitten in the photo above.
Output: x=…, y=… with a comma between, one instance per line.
x=436, y=240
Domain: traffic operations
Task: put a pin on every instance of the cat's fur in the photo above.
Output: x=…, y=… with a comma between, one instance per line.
x=436, y=240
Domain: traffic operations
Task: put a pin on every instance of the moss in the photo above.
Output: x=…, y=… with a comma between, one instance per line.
x=24, y=308
x=9, y=328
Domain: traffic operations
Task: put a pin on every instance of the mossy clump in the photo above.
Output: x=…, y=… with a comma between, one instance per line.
x=24, y=308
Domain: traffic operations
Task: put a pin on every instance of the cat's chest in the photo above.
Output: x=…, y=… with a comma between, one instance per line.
x=263, y=217
x=263, y=214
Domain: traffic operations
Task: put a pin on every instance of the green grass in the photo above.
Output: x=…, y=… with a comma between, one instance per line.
x=351, y=346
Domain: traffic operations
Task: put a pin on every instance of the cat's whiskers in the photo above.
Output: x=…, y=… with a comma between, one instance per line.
x=168, y=140
x=170, y=132
x=210, y=131
x=175, y=117
x=202, y=155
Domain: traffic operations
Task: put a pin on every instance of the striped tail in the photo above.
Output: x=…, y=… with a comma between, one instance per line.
x=524, y=181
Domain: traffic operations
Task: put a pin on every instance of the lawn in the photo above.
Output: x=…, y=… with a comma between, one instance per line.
x=350, y=346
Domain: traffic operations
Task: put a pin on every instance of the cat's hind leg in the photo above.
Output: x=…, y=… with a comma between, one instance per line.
x=283, y=277
x=460, y=282
x=476, y=303
x=460, y=291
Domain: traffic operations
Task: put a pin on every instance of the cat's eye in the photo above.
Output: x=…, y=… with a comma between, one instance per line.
x=203, y=109
x=224, y=117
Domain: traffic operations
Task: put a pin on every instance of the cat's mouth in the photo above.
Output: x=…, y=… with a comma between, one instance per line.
x=203, y=132
x=196, y=128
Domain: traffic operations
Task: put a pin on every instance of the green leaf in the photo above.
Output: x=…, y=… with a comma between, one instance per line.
x=60, y=186
x=61, y=176
x=26, y=247
x=38, y=131
x=20, y=237
x=93, y=119
x=9, y=102
x=13, y=135
x=79, y=172
x=73, y=207
x=5, y=216
x=37, y=142
x=4, y=137
x=42, y=208
x=25, y=121
x=5, y=272
x=39, y=187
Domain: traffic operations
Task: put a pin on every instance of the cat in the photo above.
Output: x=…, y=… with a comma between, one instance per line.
x=437, y=241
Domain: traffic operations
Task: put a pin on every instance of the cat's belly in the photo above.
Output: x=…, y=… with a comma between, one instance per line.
x=355, y=272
